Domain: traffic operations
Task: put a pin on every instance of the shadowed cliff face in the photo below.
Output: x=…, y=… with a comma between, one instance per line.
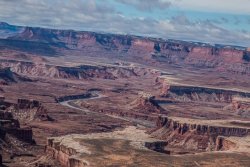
x=8, y=77
x=52, y=42
x=13, y=114
x=211, y=130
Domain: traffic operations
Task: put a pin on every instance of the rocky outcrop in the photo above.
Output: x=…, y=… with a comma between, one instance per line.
x=8, y=77
x=86, y=72
x=28, y=110
x=65, y=155
x=189, y=93
x=26, y=104
x=80, y=72
x=240, y=106
x=196, y=137
x=182, y=128
x=223, y=144
x=16, y=138
x=164, y=86
x=212, y=57
x=146, y=103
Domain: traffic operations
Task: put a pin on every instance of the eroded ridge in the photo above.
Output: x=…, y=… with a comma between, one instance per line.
x=197, y=135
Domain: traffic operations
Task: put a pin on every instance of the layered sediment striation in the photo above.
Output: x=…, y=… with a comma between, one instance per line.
x=197, y=136
x=241, y=106
x=193, y=93
x=78, y=72
x=141, y=49
x=196, y=93
x=66, y=154
x=222, y=101
x=200, y=129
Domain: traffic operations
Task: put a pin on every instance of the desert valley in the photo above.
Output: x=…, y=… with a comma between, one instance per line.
x=77, y=98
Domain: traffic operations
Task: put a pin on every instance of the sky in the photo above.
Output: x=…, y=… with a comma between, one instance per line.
x=210, y=21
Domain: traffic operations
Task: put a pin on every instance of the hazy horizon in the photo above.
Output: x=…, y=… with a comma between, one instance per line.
x=223, y=22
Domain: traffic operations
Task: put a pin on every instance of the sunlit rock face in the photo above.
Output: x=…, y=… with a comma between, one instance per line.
x=142, y=49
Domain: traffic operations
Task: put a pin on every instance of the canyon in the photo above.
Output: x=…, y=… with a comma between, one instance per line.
x=229, y=59
x=74, y=99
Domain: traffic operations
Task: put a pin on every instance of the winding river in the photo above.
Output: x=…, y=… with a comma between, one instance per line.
x=73, y=105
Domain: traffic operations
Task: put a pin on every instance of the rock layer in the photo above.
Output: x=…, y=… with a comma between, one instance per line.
x=191, y=93
x=196, y=137
x=141, y=49
x=78, y=72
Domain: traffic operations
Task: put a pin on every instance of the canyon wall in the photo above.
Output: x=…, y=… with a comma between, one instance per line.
x=190, y=93
x=196, y=136
x=230, y=100
x=79, y=72
x=182, y=128
x=51, y=42
x=66, y=156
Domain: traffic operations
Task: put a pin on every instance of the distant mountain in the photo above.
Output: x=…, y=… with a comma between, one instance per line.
x=145, y=50
x=7, y=30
